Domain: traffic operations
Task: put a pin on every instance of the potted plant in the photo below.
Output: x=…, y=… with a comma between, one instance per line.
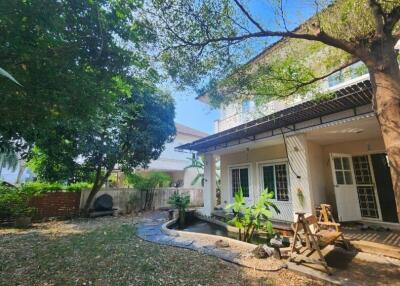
x=180, y=202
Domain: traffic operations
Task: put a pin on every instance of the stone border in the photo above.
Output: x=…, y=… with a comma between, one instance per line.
x=182, y=233
x=157, y=232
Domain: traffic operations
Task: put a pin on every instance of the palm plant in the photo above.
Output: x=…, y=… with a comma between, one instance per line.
x=8, y=160
x=198, y=164
x=248, y=219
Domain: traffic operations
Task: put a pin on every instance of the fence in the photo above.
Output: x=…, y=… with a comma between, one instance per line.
x=160, y=200
x=56, y=204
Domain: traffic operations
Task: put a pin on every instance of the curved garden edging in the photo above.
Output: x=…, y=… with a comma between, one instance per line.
x=238, y=252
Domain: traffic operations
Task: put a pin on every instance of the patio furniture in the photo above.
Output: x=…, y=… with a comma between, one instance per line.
x=309, y=238
x=326, y=219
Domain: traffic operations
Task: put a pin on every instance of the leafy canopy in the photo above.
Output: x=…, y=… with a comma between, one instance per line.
x=72, y=58
x=207, y=43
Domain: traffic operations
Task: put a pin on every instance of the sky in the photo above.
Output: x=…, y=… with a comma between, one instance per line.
x=198, y=115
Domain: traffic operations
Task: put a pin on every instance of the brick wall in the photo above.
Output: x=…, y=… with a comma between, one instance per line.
x=57, y=204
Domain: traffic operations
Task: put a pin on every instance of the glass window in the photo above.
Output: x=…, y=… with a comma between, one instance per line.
x=268, y=176
x=275, y=179
x=240, y=180
x=343, y=171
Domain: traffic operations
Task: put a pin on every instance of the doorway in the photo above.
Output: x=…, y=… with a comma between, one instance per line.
x=384, y=187
x=363, y=180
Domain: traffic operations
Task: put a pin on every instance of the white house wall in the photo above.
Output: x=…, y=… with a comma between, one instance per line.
x=317, y=175
x=247, y=157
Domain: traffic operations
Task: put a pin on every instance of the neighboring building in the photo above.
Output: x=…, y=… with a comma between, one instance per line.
x=308, y=152
x=174, y=162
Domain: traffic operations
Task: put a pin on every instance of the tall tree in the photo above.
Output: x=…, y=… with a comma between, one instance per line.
x=205, y=39
x=65, y=54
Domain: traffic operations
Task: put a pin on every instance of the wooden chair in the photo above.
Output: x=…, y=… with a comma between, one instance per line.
x=326, y=219
x=310, y=238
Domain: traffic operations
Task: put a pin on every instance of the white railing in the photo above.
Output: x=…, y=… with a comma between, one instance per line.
x=276, y=105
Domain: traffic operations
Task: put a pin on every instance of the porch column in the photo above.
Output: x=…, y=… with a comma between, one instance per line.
x=300, y=175
x=209, y=189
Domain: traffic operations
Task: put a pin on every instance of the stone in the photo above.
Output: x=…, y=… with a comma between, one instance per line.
x=262, y=251
x=221, y=243
x=276, y=242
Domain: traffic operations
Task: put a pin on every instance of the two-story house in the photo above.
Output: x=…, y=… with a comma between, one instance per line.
x=307, y=151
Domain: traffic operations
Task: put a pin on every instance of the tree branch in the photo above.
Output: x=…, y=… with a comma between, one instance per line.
x=392, y=19
x=248, y=15
x=379, y=17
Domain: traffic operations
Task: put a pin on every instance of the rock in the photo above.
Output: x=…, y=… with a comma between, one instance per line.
x=221, y=243
x=276, y=242
x=262, y=251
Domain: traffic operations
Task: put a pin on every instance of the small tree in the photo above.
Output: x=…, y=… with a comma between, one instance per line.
x=146, y=183
x=251, y=218
x=180, y=202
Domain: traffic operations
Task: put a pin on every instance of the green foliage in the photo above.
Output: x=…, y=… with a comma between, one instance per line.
x=179, y=201
x=213, y=40
x=58, y=166
x=252, y=218
x=150, y=180
x=9, y=160
x=14, y=202
x=45, y=187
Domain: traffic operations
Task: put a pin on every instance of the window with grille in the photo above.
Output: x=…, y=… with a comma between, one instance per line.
x=240, y=180
x=365, y=187
x=275, y=179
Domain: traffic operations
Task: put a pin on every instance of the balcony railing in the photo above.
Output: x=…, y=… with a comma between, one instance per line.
x=274, y=106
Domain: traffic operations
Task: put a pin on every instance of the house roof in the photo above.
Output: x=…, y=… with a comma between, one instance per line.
x=180, y=128
x=349, y=97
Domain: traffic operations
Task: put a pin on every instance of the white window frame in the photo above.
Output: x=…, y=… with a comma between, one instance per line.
x=249, y=171
x=273, y=163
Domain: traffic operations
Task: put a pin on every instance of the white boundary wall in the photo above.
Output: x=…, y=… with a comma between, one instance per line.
x=160, y=200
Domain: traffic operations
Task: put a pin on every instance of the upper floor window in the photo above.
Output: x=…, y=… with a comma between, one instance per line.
x=355, y=70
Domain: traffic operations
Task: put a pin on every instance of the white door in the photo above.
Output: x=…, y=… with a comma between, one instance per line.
x=346, y=195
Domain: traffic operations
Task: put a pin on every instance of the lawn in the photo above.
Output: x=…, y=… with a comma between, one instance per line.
x=106, y=251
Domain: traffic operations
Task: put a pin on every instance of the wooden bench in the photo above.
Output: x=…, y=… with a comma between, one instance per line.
x=310, y=238
x=326, y=219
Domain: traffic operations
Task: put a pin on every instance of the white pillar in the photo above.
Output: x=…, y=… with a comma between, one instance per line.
x=209, y=189
x=300, y=175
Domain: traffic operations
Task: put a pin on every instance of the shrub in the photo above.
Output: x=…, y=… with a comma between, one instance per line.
x=181, y=202
x=14, y=202
x=251, y=218
x=147, y=183
x=45, y=187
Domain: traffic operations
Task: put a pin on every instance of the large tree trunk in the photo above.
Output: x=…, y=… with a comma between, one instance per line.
x=98, y=183
x=386, y=84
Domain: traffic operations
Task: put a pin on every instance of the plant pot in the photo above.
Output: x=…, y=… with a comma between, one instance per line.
x=23, y=222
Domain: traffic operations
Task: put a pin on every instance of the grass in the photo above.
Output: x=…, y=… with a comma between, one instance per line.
x=108, y=253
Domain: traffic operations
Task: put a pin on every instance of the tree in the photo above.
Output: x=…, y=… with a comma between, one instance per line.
x=129, y=135
x=8, y=160
x=146, y=183
x=66, y=55
x=207, y=40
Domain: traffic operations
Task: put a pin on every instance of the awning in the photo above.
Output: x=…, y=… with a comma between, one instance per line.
x=349, y=97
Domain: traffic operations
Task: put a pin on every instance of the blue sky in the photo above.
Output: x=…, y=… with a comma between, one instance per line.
x=198, y=115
